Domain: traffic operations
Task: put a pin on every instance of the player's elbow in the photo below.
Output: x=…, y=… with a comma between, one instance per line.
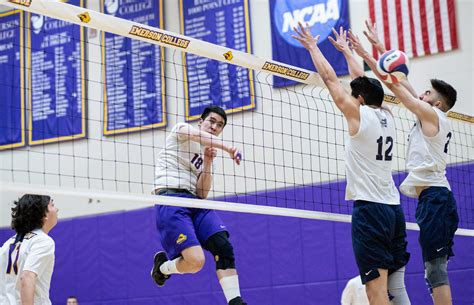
x=202, y=194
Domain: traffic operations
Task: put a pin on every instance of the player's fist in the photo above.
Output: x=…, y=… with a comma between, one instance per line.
x=236, y=155
x=209, y=154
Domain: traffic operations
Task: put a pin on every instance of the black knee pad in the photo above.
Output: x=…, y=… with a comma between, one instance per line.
x=222, y=250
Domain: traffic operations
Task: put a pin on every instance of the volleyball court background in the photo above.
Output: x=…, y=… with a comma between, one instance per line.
x=293, y=152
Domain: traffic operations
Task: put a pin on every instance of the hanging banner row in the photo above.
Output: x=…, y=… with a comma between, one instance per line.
x=43, y=69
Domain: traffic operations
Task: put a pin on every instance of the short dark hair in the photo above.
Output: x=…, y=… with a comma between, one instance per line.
x=215, y=109
x=369, y=88
x=28, y=213
x=447, y=92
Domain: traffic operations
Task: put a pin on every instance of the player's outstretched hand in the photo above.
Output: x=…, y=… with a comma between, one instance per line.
x=371, y=32
x=235, y=154
x=304, y=37
x=355, y=44
x=341, y=43
x=372, y=36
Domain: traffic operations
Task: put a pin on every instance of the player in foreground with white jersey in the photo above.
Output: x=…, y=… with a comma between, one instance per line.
x=378, y=222
x=426, y=160
x=27, y=259
x=184, y=169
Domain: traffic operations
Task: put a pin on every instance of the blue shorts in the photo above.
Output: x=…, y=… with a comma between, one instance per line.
x=437, y=217
x=181, y=228
x=378, y=238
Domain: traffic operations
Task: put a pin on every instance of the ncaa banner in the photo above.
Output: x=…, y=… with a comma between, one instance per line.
x=210, y=82
x=321, y=16
x=56, y=77
x=133, y=71
x=12, y=80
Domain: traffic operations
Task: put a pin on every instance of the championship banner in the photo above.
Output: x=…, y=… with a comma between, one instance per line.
x=133, y=71
x=12, y=82
x=321, y=16
x=56, y=77
x=209, y=82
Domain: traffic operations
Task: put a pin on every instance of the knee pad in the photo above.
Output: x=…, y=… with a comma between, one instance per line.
x=222, y=250
x=436, y=273
x=397, y=293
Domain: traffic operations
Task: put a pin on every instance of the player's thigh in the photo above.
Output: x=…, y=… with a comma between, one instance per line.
x=399, y=242
x=207, y=223
x=371, y=238
x=176, y=229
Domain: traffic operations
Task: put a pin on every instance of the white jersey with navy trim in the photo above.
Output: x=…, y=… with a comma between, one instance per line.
x=179, y=164
x=36, y=254
x=427, y=157
x=369, y=158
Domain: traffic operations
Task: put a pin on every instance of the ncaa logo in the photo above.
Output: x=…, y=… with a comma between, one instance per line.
x=320, y=15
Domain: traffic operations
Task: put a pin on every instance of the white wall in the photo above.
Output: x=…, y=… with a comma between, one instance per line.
x=293, y=137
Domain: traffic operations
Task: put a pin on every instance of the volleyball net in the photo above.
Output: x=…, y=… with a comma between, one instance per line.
x=292, y=139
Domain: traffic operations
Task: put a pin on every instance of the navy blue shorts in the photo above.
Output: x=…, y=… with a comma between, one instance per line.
x=181, y=228
x=378, y=238
x=437, y=217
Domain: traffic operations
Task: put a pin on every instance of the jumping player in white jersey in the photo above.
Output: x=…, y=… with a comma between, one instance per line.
x=184, y=169
x=27, y=259
x=426, y=160
x=378, y=223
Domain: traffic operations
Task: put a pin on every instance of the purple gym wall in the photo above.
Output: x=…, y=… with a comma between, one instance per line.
x=281, y=261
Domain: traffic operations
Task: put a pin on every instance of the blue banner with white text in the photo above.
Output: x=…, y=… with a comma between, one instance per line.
x=321, y=16
x=210, y=82
x=133, y=71
x=12, y=83
x=56, y=73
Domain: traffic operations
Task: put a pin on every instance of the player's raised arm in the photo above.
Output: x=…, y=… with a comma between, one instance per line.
x=342, y=45
x=372, y=37
x=342, y=99
x=371, y=34
x=207, y=139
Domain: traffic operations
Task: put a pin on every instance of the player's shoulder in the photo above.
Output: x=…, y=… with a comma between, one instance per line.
x=180, y=125
x=7, y=243
x=40, y=238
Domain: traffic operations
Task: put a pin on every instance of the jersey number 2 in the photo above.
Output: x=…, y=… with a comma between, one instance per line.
x=388, y=155
x=449, y=135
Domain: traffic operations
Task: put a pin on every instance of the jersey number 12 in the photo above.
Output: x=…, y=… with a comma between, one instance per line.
x=388, y=152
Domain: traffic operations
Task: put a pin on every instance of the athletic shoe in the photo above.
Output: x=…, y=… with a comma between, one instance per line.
x=237, y=301
x=156, y=275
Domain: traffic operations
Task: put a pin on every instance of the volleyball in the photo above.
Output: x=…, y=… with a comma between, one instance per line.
x=393, y=66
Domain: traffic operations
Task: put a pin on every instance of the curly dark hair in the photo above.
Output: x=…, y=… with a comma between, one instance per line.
x=28, y=213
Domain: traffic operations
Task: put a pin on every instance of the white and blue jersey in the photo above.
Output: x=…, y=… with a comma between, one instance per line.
x=179, y=164
x=369, y=158
x=426, y=157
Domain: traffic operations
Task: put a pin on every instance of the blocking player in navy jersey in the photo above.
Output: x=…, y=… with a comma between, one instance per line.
x=184, y=169
x=27, y=259
x=378, y=223
x=426, y=159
